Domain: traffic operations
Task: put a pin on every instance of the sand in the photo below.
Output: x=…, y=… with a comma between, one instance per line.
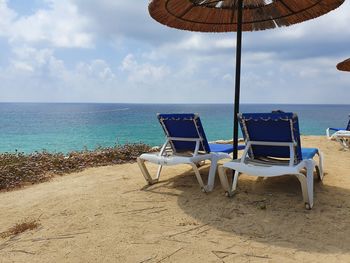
x=108, y=215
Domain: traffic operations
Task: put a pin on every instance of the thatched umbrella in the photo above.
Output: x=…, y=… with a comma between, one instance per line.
x=344, y=66
x=237, y=15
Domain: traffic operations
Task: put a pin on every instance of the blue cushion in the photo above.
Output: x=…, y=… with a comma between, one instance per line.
x=308, y=153
x=223, y=148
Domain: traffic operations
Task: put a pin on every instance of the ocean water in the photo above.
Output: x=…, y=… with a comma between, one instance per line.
x=64, y=127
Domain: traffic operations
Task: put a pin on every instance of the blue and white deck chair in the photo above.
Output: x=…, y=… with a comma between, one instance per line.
x=273, y=148
x=329, y=130
x=341, y=135
x=185, y=143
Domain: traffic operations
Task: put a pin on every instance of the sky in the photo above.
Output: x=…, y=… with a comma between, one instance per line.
x=112, y=51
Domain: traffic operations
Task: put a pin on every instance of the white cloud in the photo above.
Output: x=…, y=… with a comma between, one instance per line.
x=22, y=66
x=97, y=69
x=6, y=17
x=60, y=25
x=143, y=73
x=150, y=58
x=29, y=61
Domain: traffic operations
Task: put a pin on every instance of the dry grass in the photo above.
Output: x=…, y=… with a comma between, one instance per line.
x=20, y=228
x=18, y=169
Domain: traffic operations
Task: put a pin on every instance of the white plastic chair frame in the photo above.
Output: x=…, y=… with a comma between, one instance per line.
x=332, y=136
x=271, y=169
x=342, y=136
x=163, y=158
x=328, y=133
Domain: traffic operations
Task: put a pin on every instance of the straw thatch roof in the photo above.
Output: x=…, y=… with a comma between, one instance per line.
x=344, y=66
x=221, y=15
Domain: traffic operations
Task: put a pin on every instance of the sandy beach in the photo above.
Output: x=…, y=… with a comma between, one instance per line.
x=108, y=214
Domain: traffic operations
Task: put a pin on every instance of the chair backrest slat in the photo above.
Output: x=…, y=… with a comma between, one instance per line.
x=184, y=125
x=348, y=128
x=271, y=127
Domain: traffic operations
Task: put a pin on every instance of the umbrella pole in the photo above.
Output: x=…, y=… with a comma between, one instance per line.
x=238, y=78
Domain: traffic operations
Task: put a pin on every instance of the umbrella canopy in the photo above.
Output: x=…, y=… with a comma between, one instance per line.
x=222, y=15
x=237, y=15
x=344, y=66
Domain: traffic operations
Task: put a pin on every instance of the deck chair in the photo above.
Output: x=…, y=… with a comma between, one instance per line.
x=185, y=143
x=341, y=135
x=273, y=148
x=330, y=130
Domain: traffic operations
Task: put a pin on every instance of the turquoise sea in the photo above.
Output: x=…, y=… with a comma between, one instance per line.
x=64, y=127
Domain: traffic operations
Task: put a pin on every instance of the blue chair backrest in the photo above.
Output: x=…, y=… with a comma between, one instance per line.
x=348, y=128
x=271, y=127
x=184, y=125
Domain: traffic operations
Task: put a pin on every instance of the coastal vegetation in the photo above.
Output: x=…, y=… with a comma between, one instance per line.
x=19, y=169
x=25, y=225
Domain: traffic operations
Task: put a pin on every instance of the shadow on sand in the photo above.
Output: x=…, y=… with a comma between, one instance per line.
x=270, y=211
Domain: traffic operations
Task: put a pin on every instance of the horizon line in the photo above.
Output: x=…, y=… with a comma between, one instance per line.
x=172, y=103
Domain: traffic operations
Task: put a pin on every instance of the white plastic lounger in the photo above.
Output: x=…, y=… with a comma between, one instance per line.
x=273, y=148
x=185, y=143
x=341, y=135
x=335, y=130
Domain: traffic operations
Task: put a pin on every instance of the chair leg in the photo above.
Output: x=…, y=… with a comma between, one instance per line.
x=344, y=142
x=229, y=190
x=212, y=173
x=310, y=182
x=339, y=140
x=304, y=190
x=159, y=171
x=224, y=178
x=307, y=184
x=145, y=172
x=319, y=167
x=199, y=177
x=234, y=183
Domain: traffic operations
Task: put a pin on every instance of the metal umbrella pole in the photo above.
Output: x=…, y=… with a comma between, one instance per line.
x=238, y=78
